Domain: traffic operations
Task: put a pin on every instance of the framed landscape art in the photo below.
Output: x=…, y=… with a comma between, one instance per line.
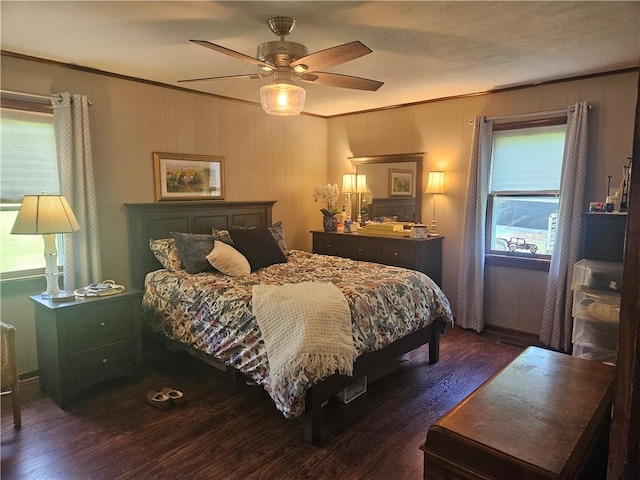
x=400, y=183
x=183, y=176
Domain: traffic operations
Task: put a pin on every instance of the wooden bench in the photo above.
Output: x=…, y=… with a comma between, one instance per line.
x=544, y=416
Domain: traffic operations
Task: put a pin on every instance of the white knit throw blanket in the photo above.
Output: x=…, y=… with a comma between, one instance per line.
x=306, y=328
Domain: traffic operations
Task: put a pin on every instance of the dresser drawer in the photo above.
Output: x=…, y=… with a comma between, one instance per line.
x=101, y=324
x=91, y=366
x=397, y=254
x=329, y=244
x=362, y=249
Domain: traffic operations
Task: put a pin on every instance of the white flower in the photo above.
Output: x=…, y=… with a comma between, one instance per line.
x=328, y=194
x=367, y=197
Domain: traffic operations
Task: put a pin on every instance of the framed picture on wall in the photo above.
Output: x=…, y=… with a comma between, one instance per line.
x=400, y=183
x=183, y=176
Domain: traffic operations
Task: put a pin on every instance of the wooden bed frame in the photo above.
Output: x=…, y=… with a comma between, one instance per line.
x=155, y=220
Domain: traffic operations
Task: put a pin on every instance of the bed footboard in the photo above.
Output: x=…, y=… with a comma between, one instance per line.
x=365, y=364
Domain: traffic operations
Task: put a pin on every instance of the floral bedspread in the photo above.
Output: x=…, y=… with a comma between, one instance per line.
x=212, y=312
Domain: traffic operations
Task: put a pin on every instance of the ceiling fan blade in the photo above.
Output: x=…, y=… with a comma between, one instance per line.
x=331, y=56
x=343, y=81
x=253, y=76
x=234, y=54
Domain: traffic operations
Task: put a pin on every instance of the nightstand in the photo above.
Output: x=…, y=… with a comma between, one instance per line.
x=86, y=341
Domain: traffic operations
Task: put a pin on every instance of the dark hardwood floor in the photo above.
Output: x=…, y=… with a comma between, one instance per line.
x=228, y=430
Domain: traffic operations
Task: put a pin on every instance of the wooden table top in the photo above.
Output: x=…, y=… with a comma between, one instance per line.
x=540, y=412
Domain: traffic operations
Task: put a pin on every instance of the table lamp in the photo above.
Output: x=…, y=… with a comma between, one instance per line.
x=361, y=187
x=348, y=187
x=47, y=215
x=435, y=186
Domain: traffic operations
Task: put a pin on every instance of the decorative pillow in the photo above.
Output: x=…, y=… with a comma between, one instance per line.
x=228, y=260
x=278, y=233
x=193, y=249
x=166, y=252
x=275, y=229
x=258, y=246
x=223, y=235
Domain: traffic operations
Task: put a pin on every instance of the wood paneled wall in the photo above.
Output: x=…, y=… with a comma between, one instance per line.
x=282, y=159
x=266, y=158
x=514, y=297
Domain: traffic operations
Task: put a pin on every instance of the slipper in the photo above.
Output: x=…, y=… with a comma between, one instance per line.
x=159, y=400
x=175, y=396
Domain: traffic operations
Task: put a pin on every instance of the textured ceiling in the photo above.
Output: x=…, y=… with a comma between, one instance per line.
x=421, y=50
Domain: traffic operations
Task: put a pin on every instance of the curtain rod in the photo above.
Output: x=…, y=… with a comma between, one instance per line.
x=34, y=96
x=534, y=114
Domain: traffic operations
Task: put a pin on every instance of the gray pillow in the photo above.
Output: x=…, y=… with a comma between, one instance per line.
x=193, y=249
x=278, y=234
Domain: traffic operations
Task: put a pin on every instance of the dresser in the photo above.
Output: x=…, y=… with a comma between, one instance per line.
x=87, y=340
x=422, y=254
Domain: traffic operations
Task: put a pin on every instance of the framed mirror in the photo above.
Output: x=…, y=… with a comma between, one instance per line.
x=396, y=184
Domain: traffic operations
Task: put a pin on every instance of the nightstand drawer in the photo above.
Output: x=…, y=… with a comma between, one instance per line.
x=101, y=363
x=398, y=255
x=101, y=324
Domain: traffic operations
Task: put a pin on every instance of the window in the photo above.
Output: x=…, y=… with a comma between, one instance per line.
x=524, y=188
x=28, y=165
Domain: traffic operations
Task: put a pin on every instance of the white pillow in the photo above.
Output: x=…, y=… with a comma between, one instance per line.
x=228, y=260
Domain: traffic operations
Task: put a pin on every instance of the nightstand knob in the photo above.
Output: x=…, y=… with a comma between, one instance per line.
x=104, y=361
x=102, y=324
x=396, y=254
x=359, y=250
x=328, y=246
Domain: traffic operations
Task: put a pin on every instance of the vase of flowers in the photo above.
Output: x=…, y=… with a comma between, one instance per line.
x=328, y=194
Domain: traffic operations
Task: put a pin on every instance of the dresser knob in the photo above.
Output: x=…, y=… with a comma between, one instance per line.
x=102, y=324
x=359, y=250
x=104, y=361
x=328, y=246
x=396, y=254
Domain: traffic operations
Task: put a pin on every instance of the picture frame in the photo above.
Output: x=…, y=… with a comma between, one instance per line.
x=184, y=176
x=400, y=183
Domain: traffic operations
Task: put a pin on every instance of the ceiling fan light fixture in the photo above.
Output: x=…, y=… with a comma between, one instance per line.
x=283, y=99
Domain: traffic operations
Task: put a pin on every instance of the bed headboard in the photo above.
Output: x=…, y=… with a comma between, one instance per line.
x=403, y=208
x=155, y=220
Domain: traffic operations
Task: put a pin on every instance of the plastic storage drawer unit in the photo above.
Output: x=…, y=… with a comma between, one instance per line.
x=589, y=352
x=596, y=305
x=597, y=275
x=595, y=333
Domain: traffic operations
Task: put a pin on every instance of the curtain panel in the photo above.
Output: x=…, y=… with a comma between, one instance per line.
x=82, y=262
x=557, y=323
x=471, y=270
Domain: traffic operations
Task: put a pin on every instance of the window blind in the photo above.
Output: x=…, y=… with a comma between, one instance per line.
x=527, y=160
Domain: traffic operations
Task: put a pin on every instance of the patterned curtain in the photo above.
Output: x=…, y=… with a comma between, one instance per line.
x=556, y=321
x=82, y=263
x=471, y=270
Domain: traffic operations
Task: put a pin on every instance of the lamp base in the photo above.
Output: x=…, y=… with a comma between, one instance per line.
x=61, y=296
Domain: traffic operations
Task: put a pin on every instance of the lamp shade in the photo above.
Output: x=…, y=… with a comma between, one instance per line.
x=348, y=183
x=361, y=184
x=284, y=99
x=45, y=214
x=435, y=182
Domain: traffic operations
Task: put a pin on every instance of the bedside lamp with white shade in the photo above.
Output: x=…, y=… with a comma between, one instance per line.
x=47, y=215
x=348, y=187
x=361, y=188
x=435, y=186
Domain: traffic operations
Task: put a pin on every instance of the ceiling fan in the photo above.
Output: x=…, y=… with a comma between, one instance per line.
x=285, y=61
